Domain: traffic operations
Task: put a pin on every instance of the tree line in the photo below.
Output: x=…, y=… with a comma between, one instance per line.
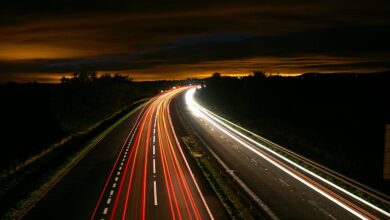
x=36, y=115
x=335, y=119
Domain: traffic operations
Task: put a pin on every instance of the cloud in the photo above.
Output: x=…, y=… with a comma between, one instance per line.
x=128, y=36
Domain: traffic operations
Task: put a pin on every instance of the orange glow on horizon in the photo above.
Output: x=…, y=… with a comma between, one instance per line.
x=274, y=66
x=31, y=52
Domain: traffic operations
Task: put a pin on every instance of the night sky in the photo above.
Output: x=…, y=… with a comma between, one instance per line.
x=150, y=40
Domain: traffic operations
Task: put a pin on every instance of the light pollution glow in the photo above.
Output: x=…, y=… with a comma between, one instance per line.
x=193, y=40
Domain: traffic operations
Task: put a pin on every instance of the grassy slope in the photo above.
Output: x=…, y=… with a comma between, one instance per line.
x=336, y=121
x=23, y=189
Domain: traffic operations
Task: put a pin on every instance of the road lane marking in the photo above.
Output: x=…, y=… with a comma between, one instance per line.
x=241, y=138
x=322, y=210
x=118, y=173
x=286, y=170
x=366, y=202
x=126, y=148
x=154, y=166
x=284, y=182
x=188, y=167
x=155, y=192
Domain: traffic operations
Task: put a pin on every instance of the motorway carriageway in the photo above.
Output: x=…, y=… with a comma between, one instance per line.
x=283, y=188
x=151, y=178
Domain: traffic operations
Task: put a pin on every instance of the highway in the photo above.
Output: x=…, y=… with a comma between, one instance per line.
x=138, y=171
x=141, y=171
x=151, y=178
x=284, y=189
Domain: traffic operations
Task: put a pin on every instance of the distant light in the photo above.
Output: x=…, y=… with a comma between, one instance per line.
x=174, y=87
x=190, y=84
x=162, y=91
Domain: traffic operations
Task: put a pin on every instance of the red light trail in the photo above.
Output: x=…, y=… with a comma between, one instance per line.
x=155, y=180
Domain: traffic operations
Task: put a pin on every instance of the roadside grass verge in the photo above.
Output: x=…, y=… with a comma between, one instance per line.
x=21, y=189
x=226, y=193
x=375, y=198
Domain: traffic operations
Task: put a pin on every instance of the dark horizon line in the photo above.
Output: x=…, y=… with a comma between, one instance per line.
x=306, y=74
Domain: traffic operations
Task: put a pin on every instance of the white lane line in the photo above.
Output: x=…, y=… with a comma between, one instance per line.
x=284, y=182
x=154, y=166
x=321, y=209
x=154, y=149
x=301, y=168
x=228, y=132
x=189, y=169
x=118, y=173
x=155, y=192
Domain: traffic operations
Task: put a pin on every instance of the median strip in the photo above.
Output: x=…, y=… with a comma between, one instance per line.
x=228, y=196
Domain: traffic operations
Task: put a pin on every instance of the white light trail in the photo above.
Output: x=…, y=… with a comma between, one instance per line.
x=188, y=167
x=207, y=115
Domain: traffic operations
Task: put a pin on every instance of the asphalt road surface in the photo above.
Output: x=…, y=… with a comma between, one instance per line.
x=141, y=171
x=152, y=178
x=138, y=171
x=283, y=188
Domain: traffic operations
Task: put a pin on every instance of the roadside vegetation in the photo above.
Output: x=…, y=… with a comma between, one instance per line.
x=20, y=190
x=48, y=128
x=334, y=119
x=220, y=182
x=35, y=116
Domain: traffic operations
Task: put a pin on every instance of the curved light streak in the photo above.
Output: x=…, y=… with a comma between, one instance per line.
x=199, y=111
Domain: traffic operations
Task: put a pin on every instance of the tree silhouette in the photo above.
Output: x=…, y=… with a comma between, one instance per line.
x=330, y=118
x=259, y=74
x=216, y=75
